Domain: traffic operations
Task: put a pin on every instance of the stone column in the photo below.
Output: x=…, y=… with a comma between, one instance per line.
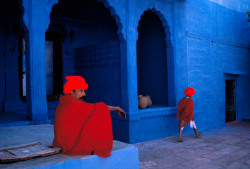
x=36, y=19
x=124, y=76
x=36, y=77
x=131, y=58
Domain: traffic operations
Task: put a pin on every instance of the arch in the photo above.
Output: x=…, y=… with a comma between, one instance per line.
x=169, y=56
x=48, y=11
x=22, y=9
x=115, y=16
x=95, y=48
x=164, y=23
x=112, y=12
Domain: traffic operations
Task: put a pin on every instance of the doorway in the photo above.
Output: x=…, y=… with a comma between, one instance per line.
x=54, y=69
x=230, y=101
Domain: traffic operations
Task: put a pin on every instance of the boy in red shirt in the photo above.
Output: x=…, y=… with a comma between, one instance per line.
x=186, y=112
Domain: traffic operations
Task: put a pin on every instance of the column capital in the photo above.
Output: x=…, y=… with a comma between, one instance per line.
x=37, y=13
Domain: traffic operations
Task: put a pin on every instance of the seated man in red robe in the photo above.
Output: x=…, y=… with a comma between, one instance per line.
x=186, y=111
x=82, y=128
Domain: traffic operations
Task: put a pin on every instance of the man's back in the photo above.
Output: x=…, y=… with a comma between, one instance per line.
x=81, y=128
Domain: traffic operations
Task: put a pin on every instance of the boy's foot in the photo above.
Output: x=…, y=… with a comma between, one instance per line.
x=198, y=135
x=180, y=140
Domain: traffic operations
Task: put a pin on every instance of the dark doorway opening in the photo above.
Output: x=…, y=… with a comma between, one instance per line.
x=230, y=100
x=54, y=68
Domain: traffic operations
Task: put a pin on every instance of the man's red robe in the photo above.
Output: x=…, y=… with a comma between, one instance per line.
x=81, y=128
x=186, y=109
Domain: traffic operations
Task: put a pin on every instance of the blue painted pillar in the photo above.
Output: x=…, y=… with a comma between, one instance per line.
x=180, y=49
x=124, y=76
x=171, y=77
x=36, y=76
x=36, y=18
x=131, y=58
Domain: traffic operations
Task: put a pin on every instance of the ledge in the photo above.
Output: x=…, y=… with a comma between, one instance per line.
x=235, y=73
x=123, y=155
x=217, y=40
x=153, y=111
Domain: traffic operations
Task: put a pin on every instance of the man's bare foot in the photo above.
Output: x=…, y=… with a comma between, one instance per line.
x=198, y=135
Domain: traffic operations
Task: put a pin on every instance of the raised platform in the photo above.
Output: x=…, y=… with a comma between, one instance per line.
x=123, y=156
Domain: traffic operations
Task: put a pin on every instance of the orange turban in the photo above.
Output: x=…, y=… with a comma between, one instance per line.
x=74, y=82
x=189, y=91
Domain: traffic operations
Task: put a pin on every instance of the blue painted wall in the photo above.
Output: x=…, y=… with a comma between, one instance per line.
x=218, y=50
x=211, y=45
x=204, y=43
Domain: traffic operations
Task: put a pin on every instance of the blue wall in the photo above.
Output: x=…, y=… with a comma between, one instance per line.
x=218, y=50
x=100, y=66
x=211, y=45
x=207, y=42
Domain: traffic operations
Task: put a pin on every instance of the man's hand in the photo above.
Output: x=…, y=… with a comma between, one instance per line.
x=119, y=111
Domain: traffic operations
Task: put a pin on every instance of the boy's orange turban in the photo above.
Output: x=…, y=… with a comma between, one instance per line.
x=189, y=91
x=74, y=82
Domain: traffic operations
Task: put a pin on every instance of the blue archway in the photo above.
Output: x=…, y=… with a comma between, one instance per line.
x=155, y=59
x=91, y=32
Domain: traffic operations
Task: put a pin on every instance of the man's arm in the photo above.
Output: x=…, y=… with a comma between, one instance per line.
x=118, y=110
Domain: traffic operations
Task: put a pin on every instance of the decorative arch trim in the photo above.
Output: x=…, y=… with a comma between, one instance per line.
x=115, y=16
x=106, y=4
x=164, y=24
x=170, y=56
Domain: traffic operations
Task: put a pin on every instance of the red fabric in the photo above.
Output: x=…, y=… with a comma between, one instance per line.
x=186, y=111
x=74, y=82
x=189, y=91
x=81, y=128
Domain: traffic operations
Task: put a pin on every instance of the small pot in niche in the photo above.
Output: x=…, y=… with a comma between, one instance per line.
x=142, y=101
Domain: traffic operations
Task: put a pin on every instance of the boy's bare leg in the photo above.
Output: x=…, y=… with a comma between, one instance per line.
x=197, y=134
x=180, y=132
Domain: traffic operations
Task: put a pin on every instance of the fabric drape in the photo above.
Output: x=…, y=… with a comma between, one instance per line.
x=82, y=128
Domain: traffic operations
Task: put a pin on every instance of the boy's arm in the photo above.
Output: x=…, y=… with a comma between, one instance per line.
x=180, y=108
x=180, y=105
